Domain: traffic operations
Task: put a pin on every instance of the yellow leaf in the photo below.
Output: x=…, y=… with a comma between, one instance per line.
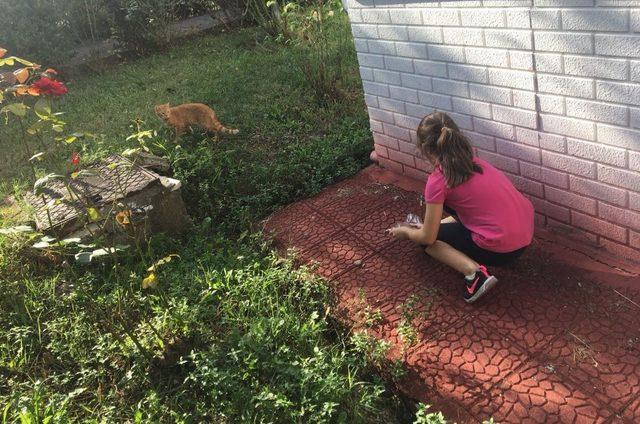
x=93, y=213
x=22, y=75
x=150, y=281
x=2, y=52
x=74, y=175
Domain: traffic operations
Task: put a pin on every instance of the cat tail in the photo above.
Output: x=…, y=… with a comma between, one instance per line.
x=229, y=130
x=221, y=128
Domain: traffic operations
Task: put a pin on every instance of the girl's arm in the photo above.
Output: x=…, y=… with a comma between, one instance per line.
x=427, y=234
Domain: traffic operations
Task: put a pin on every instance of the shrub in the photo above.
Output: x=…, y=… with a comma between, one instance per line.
x=318, y=30
x=52, y=29
x=39, y=28
x=146, y=24
x=326, y=43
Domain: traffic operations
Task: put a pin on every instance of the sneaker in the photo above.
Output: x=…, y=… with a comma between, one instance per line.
x=479, y=286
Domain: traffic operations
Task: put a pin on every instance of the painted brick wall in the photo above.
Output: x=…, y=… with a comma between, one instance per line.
x=547, y=90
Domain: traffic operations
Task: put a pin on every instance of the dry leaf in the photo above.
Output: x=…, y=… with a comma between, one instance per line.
x=22, y=75
x=123, y=218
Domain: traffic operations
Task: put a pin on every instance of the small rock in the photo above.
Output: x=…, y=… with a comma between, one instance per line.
x=358, y=263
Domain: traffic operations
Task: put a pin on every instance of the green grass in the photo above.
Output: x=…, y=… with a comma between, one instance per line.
x=235, y=334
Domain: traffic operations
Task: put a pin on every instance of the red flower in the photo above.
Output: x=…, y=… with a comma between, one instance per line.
x=75, y=158
x=48, y=86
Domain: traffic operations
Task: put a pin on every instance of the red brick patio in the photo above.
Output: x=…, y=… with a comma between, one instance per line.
x=557, y=341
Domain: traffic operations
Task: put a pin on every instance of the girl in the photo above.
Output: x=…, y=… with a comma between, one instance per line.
x=491, y=222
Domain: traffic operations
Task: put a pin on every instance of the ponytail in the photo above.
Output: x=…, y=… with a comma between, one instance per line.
x=439, y=138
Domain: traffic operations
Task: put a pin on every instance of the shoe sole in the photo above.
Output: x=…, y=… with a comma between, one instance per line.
x=488, y=285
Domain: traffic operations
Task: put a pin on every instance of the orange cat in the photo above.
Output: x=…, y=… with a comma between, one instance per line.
x=181, y=116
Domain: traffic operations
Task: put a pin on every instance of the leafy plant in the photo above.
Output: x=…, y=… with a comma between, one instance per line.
x=374, y=349
x=424, y=416
x=324, y=45
x=406, y=328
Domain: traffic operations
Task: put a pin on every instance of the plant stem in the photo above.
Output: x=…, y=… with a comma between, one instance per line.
x=25, y=144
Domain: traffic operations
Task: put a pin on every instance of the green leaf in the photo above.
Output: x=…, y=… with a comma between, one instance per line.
x=18, y=109
x=72, y=240
x=37, y=156
x=17, y=230
x=83, y=173
x=57, y=128
x=70, y=139
x=289, y=6
x=36, y=127
x=41, y=183
x=162, y=261
x=24, y=62
x=141, y=135
x=43, y=107
x=130, y=152
x=44, y=242
x=150, y=281
x=87, y=257
x=93, y=213
x=102, y=252
x=83, y=257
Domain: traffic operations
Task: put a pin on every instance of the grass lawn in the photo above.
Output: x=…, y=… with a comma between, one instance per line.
x=234, y=334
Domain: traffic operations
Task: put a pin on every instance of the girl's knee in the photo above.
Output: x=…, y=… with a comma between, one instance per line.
x=429, y=248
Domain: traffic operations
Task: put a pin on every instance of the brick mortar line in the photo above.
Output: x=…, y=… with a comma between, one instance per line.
x=627, y=59
x=538, y=117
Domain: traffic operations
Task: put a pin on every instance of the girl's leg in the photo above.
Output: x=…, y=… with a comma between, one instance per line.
x=457, y=260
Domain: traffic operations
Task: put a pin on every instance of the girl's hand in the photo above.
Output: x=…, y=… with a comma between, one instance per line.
x=399, y=232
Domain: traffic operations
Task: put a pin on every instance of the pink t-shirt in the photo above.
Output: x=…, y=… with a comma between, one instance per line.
x=499, y=217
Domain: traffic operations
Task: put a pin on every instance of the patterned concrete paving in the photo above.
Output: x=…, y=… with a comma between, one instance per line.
x=548, y=345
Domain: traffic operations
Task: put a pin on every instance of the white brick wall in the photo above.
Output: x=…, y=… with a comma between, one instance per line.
x=547, y=90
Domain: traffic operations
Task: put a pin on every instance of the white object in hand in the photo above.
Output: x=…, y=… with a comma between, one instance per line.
x=413, y=220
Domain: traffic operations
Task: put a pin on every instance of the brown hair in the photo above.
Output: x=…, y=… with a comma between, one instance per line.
x=440, y=138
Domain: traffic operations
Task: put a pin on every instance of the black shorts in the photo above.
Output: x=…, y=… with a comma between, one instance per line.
x=459, y=237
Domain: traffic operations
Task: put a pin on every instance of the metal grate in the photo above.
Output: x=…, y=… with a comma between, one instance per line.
x=114, y=178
